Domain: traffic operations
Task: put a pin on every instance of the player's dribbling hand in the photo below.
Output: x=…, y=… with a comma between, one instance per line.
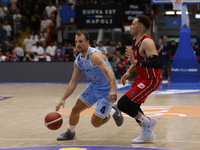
x=61, y=103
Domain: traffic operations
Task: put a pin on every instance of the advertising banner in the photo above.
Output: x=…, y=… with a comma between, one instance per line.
x=98, y=16
x=131, y=11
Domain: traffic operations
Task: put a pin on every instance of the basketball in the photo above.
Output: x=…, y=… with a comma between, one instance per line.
x=53, y=120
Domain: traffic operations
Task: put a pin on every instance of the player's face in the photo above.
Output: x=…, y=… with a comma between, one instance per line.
x=81, y=43
x=134, y=28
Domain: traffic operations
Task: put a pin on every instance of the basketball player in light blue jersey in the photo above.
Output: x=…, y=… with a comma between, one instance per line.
x=101, y=88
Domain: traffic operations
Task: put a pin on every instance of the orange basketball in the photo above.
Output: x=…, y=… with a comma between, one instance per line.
x=53, y=120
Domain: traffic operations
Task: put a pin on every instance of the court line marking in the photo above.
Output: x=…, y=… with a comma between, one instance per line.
x=172, y=141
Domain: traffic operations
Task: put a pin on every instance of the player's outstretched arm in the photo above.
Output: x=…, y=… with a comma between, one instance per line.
x=71, y=86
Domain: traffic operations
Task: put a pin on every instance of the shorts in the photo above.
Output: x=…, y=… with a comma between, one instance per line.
x=142, y=88
x=89, y=96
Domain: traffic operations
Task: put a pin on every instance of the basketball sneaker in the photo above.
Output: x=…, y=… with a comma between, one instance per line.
x=68, y=135
x=117, y=116
x=146, y=131
x=150, y=138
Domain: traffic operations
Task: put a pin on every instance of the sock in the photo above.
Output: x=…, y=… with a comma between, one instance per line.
x=72, y=128
x=112, y=111
x=143, y=119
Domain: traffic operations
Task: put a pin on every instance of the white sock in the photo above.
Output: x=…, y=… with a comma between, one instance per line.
x=72, y=128
x=112, y=111
x=143, y=119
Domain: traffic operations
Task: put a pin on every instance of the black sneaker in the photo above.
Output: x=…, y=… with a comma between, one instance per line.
x=117, y=116
x=68, y=135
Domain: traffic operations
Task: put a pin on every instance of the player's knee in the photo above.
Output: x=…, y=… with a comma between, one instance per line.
x=95, y=124
x=121, y=104
x=75, y=110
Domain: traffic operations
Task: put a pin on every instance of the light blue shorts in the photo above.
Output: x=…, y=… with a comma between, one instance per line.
x=89, y=96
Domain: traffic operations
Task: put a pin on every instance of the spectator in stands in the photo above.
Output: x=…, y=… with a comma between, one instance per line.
x=75, y=54
x=196, y=49
x=173, y=48
x=34, y=36
x=166, y=45
x=111, y=49
x=94, y=43
x=8, y=29
x=9, y=17
x=17, y=24
x=3, y=32
x=45, y=57
x=29, y=56
x=9, y=47
x=11, y=10
x=116, y=57
x=20, y=50
x=68, y=51
x=43, y=35
x=28, y=43
x=58, y=55
x=6, y=2
x=51, y=49
x=61, y=47
x=45, y=23
x=37, y=50
x=34, y=24
x=13, y=4
x=161, y=54
x=8, y=56
x=2, y=57
x=121, y=67
x=121, y=47
x=101, y=47
x=50, y=9
x=42, y=5
x=14, y=56
x=3, y=10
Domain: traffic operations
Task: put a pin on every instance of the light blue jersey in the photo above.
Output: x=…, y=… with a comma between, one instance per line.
x=98, y=88
x=93, y=73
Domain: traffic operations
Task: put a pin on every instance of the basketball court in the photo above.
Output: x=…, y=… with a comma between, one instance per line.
x=24, y=106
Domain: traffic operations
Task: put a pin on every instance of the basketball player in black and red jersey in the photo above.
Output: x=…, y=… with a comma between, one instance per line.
x=144, y=58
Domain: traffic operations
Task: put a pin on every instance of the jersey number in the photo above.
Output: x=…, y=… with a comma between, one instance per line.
x=103, y=109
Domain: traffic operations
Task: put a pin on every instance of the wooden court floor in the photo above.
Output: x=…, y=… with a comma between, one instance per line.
x=22, y=120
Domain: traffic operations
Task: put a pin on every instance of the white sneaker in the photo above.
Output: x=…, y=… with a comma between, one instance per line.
x=146, y=130
x=150, y=138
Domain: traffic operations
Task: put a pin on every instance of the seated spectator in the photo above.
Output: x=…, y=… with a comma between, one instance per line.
x=121, y=47
x=14, y=56
x=68, y=51
x=2, y=57
x=111, y=49
x=43, y=35
x=51, y=49
x=3, y=9
x=29, y=56
x=3, y=32
x=8, y=56
x=45, y=57
x=74, y=55
x=101, y=47
x=61, y=47
x=58, y=56
x=45, y=23
x=20, y=50
x=50, y=9
x=9, y=47
x=196, y=49
x=37, y=50
x=34, y=36
x=116, y=57
x=94, y=43
x=121, y=67
x=28, y=43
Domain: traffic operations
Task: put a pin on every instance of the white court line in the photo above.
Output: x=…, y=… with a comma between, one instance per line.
x=171, y=141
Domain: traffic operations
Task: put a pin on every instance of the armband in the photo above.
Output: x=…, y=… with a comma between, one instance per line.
x=154, y=62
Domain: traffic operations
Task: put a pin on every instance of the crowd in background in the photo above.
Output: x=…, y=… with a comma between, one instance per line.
x=17, y=15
